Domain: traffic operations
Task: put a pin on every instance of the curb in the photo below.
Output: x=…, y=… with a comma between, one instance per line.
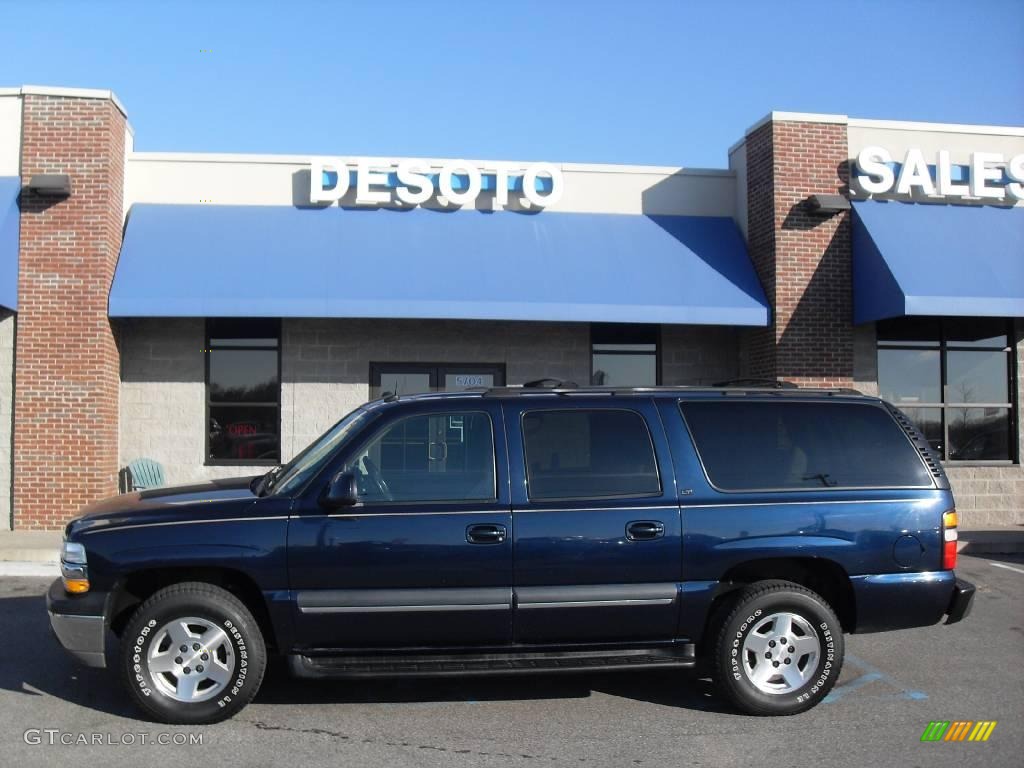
x=39, y=569
x=29, y=555
x=991, y=547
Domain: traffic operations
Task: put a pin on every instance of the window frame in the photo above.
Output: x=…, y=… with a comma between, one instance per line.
x=830, y=488
x=381, y=428
x=596, y=328
x=530, y=499
x=208, y=461
x=945, y=346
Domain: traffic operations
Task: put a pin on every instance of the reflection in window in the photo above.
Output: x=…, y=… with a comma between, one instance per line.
x=809, y=446
x=624, y=355
x=436, y=457
x=243, y=391
x=953, y=378
x=588, y=454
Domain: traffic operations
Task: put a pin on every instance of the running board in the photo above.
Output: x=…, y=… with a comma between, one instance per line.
x=427, y=665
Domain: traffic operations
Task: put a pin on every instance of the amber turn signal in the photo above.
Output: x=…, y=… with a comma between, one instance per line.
x=76, y=586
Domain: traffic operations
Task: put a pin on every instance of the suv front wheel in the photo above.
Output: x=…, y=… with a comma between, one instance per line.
x=192, y=653
x=779, y=651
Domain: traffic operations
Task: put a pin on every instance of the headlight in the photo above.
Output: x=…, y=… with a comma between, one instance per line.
x=73, y=569
x=73, y=552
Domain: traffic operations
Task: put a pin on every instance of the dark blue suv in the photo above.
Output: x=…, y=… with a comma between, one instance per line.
x=528, y=529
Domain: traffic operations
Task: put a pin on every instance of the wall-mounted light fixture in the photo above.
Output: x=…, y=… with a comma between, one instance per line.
x=827, y=204
x=50, y=185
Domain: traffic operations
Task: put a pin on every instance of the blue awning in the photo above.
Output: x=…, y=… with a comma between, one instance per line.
x=249, y=261
x=10, y=222
x=920, y=259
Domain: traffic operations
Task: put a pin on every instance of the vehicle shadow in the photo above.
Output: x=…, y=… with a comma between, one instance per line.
x=45, y=670
x=49, y=671
x=686, y=689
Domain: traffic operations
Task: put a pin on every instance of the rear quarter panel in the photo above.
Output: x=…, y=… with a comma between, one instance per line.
x=862, y=531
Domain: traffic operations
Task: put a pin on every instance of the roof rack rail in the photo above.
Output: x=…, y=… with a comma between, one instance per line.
x=754, y=383
x=787, y=389
x=548, y=383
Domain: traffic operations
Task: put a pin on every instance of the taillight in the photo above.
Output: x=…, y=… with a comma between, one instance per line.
x=949, y=541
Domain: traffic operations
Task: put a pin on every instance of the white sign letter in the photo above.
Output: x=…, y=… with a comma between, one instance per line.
x=467, y=195
x=412, y=174
x=318, y=193
x=502, y=172
x=875, y=176
x=530, y=184
x=368, y=178
x=1016, y=170
x=914, y=174
x=981, y=173
x=944, y=171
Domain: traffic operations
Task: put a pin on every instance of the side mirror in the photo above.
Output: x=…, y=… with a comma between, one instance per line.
x=342, y=491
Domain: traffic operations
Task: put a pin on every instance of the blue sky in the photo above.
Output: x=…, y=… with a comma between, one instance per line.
x=670, y=83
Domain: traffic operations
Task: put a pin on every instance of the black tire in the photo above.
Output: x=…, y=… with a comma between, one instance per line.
x=247, y=662
x=732, y=669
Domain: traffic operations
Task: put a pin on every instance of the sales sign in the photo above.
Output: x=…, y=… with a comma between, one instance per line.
x=990, y=176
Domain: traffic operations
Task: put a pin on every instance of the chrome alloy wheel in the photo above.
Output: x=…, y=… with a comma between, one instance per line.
x=781, y=653
x=190, y=659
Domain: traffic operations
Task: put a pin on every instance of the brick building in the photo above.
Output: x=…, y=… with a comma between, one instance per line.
x=214, y=313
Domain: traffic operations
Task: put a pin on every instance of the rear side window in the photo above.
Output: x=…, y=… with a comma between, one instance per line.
x=581, y=454
x=748, y=446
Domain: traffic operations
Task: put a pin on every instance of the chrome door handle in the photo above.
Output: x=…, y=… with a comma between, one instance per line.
x=644, y=530
x=485, y=534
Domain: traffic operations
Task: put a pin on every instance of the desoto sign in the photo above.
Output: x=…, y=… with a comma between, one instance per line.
x=990, y=175
x=414, y=182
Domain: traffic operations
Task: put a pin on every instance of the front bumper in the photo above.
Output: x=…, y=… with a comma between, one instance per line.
x=961, y=602
x=83, y=635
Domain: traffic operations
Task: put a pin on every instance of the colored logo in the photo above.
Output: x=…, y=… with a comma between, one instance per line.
x=958, y=730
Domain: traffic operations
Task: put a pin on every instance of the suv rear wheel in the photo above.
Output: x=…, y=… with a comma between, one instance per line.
x=779, y=650
x=192, y=653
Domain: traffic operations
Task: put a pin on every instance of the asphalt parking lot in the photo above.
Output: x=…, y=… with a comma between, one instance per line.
x=891, y=687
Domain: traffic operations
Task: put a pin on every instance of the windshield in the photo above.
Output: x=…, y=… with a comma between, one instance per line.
x=299, y=470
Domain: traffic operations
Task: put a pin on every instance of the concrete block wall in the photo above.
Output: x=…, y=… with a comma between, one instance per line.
x=325, y=368
x=699, y=354
x=325, y=374
x=7, y=326
x=163, y=398
x=326, y=363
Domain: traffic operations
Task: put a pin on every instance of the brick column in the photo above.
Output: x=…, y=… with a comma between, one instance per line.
x=66, y=385
x=803, y=259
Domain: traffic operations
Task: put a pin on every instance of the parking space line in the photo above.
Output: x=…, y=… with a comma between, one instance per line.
x=870, y=675
x=1007, y=567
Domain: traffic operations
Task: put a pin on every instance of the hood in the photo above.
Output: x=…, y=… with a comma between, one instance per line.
x=191, y=501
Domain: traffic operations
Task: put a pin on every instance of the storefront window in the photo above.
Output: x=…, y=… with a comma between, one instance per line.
x=954, y=379
x=243, y=392
x=624, y=355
